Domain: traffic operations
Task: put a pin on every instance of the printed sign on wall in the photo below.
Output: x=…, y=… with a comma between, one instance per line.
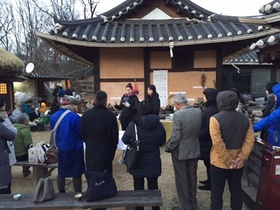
x=161, y=83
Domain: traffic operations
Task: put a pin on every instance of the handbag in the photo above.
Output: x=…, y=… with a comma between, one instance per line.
x=44, y=190
x=51, y=155
x=53, y=131
x=131, y=153
x=101, y=185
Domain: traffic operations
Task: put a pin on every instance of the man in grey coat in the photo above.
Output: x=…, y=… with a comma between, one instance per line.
x=184, y=148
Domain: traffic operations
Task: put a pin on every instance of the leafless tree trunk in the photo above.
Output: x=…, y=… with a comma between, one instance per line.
x=7, y=23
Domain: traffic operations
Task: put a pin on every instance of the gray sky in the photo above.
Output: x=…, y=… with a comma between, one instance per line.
x=226, y=7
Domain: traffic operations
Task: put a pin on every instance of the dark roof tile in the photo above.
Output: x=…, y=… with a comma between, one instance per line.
x=271, y=7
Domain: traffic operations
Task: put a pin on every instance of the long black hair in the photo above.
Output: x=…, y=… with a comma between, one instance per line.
x=143, y=108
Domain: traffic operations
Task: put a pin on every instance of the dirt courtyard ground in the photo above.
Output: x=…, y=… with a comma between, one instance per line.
x=124, y=180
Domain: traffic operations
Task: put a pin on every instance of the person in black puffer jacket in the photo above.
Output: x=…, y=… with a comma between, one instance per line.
x=128, y=106
x=210, y=104
x=151, y=135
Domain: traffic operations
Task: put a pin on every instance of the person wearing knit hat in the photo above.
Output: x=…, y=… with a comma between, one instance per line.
x=128, y=104
x=70, y=146
x=129, y=85
x=153, y=98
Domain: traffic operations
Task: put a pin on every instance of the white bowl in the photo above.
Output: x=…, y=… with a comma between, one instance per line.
x=17, y=196
x=276, y=148
x=78, y=196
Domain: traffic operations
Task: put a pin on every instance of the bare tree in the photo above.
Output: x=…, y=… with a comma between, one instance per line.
x=89, y=7
x=18, y=23
x=7, y=22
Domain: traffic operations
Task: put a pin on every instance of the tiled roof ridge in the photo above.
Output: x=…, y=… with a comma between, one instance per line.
x=116, y=13
x=271, y=7
x=267, y=41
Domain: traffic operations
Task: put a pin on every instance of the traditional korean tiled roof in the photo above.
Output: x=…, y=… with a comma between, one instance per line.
x=116, y=28
x=267, y=41
x=111, y=29
x=271, y=7
x=249, y=58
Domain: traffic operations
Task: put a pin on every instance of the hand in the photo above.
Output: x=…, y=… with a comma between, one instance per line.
x=237, y=163
x=126, y=104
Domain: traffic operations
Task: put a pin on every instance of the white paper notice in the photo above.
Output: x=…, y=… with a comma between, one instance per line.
x=277, y=170
x=161, y=83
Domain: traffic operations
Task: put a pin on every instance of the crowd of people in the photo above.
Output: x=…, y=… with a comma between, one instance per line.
x=210, y=134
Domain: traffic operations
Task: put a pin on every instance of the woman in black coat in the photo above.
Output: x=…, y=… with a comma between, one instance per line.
x=153, y=98
x=204, y=137
x=151, y=135
x=128, y=106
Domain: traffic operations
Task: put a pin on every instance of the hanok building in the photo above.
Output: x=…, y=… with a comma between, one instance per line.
x=175, y=44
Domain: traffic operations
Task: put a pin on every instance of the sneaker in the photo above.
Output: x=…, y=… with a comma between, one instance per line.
x=26, y=173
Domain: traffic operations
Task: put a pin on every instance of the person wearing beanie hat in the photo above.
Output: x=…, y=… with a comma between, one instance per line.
x=205, y=142
x=153, y=98
x=99, y=130
x=129, y=85
x=70, y=146
x=128, y=104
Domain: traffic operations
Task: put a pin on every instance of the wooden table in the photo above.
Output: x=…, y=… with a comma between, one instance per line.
x=39, y=169
x=168, y=126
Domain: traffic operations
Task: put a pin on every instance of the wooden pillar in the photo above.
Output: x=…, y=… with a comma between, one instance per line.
x=219, y=70
x=96, y=70
x=147, y=70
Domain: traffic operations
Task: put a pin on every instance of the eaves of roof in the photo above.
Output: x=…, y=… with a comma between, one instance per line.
x=266, y=42
x=156, y=33
x=271, y=20
x=249, y=58
x=48, y=77
x=271, y=7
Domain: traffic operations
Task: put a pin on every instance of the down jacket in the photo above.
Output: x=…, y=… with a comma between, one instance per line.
x=152, y=135
x=204, y=137
x=272, y=121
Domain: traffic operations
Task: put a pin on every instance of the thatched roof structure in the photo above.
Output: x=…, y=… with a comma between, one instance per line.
x=9, y=61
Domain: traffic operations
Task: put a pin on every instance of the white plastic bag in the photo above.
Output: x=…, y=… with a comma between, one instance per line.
x=33, y=155
x=12, y=156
